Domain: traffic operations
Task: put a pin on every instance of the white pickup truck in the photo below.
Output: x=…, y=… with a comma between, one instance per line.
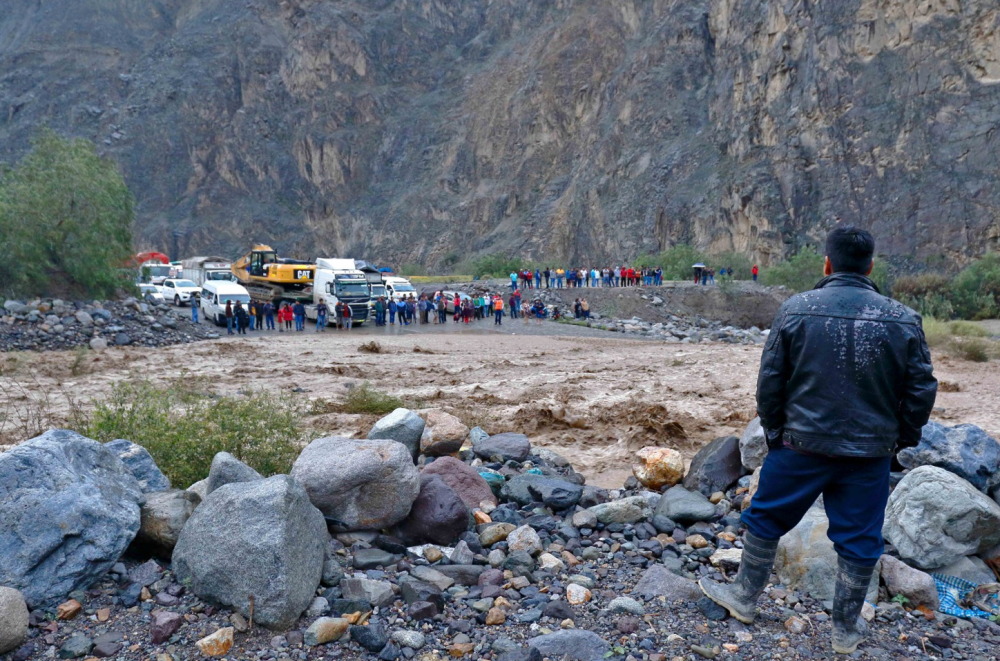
x=178, y=291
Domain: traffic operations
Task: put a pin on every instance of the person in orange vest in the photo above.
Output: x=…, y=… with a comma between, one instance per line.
x=498, y=310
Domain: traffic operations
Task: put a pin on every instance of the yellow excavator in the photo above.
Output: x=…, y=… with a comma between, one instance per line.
x=269, y=278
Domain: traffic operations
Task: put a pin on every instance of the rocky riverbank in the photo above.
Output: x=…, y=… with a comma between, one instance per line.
x=428, y=540
x=53, y=324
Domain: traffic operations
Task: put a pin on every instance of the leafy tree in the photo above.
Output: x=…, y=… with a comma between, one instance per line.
x=65, y=222
x=799, y=273
x=976, y=290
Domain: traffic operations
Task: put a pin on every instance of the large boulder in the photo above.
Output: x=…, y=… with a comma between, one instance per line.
x=13, y=619
x=656, y=468
x=443, y=435
x=163, y=517
x=806, y=560
x=753, y=446
x=683, y=506
x=969, y=568
x=934, y=518
x=403, y=426
x=358, y=484
x=715, y=467
x=624, y=510
x=438, y=515
x=918, y=587
x=69, y=508
x=227, y=469
x=138, y=460
x=464, y=479
x=965, y=450
x=507, y=446
x=262, y=538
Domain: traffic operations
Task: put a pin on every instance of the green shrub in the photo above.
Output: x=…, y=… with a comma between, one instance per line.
x=365, y=399
x=973, y=348
x=65, y=222
x=183, y=430
x=495, y=265
x=799, y=273
x=967, y=329
x=740, y=263
x=977, y=289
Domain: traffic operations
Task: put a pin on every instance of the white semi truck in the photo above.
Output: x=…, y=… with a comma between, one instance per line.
x=338, y=280
x=200, y=270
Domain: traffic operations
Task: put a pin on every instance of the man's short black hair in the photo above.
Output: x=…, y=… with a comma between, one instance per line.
x=850, y=249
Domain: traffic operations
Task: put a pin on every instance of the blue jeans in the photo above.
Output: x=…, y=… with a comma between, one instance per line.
x=194, y=313
x=300, y=322
x=559, y=283
x=320, y=322
x=855, y=492
x=229, y=325
x=269, y=319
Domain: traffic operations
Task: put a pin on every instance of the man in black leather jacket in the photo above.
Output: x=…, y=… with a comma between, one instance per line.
x=845, y=380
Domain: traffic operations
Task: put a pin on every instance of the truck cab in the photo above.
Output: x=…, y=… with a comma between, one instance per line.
x=337, y=280
x=398, y=289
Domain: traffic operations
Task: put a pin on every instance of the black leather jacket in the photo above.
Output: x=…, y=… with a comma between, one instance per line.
x=845, y=372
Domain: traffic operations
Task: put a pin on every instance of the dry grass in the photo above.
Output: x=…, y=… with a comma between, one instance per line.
x=964, y=339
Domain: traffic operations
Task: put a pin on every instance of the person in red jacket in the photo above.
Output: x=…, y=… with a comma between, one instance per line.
x=754, y=270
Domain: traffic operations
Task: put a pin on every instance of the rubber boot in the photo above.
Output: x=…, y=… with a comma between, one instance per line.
x=849, y=627
x=740, y=596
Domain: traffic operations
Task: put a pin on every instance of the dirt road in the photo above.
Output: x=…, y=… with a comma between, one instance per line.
x=590, y=394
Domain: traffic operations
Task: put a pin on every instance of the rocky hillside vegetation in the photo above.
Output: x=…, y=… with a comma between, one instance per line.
x=431, y=131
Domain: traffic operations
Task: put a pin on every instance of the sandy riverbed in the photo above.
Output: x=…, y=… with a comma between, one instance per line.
x=595, y=396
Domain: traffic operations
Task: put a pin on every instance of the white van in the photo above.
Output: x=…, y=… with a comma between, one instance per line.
x=214, y=295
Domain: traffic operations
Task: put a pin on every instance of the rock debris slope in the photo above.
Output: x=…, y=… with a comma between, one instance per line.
x=574, y=129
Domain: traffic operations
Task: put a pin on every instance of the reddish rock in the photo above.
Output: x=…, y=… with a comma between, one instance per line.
x=464, y=479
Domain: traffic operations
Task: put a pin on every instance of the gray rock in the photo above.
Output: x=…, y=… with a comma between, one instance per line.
x=412, y=639
x=683, y=506
x=13, y=619
x=467, y=575
x=659, y=581
x=716, y=466
x=507, y=446
x=551, y=458
x=524, y=539
x=753, y=446
x=317, y=607
x=626, y=605
x=122, y=339
x=438, y=515
x=934, y=518
x=163, y=517
x=515, y=490
x=571, y=644
x=623, y=510
x=373, y=558
x=358, y=484
x=806, y=560
x=76, y=646
x=403, y=426
x=376, y=593
x=432, y=576
x=138, y=460
x=969, y=568
x=333, y=573
x=98, y=344
x=227, y=469
x=555, y=493
x=84, y=319
x=918, y=587
x=587, y=519
x=965, y=450
x=261, y=538
x=69, y=507
x=470, y=486
x=477, y=434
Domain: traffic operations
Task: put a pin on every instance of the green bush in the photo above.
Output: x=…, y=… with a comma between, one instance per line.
x=495, y=265
x=740, y=263
x=972, y=294
x=183, y=430
x=65, y=222
x=365, y=399
x=799, y=273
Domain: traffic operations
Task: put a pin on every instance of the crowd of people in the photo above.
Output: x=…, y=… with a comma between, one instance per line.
x=437, y=307
x=619, y=276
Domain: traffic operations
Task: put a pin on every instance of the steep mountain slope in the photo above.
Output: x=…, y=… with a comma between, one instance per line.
x=430, y=130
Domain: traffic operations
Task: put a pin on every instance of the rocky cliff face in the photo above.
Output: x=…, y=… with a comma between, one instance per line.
x=430, y=130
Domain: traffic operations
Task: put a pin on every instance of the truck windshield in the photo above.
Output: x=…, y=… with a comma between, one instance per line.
x=242, y=298
x=159, y=270
x=352, y=289
x=404, y=287
x=218, y=275
x=378, y=290
x=184, y=283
